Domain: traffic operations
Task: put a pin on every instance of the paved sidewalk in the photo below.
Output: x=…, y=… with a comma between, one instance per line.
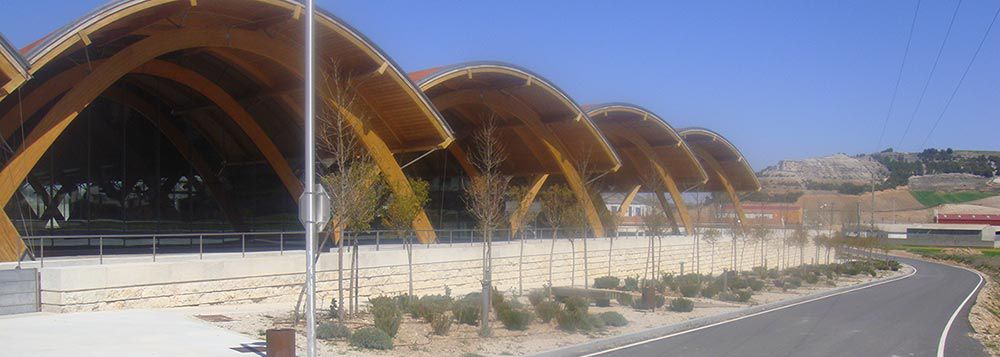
x=120, y=333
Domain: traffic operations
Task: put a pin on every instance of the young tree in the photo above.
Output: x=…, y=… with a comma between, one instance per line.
x=485, y=196
x=559, y=209
x=347, y=165
x=711, y=236
x=399, y=214
x=800, y=239
x=759, y=234
x=656, y=224
x=516, y=194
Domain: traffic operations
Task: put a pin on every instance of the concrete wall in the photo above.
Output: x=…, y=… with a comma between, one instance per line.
x=18, y=291
x=274, y=278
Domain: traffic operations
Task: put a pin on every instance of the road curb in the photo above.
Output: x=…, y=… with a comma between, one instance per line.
x=616, y=341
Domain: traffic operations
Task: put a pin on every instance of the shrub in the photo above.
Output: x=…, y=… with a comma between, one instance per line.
x=594, y=322
x=631, y=284
x=332, y=330
x=431, y=305
x=794, y=282
x=606, y=282
x=572, y=320
x=515, y=319
x=372, y=338
x=576, y=303
x=614, y=319
x=667, y=280
x=387, y=314
x=441, y=324
x=779, y=283
x=689, y=289
x=681, y=305
x=743, y=295
x=602, y=302
x=660, y=300
x=467, y=309
x=547, y=310
x=624, y=299
x=537, y=296
x=756, y=284
x=710, y=290
x=405, y=302
x=812, y=278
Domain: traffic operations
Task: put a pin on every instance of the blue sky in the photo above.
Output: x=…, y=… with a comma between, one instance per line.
x=781, y=79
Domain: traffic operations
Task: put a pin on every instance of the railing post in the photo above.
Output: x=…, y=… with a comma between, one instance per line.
x=281, y=243
x=154, y=248
x=243, y=245
x=450, y=237
x=377, y=240
x=201, y=246
x=42, y=241
x=100, y=248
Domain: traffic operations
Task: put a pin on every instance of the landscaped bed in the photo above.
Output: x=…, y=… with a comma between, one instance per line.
x=441, y=325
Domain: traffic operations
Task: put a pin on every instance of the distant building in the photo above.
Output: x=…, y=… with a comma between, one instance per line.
x=768, y=213
x=987, y=219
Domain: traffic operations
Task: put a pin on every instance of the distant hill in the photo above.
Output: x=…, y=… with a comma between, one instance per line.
x=934, y=169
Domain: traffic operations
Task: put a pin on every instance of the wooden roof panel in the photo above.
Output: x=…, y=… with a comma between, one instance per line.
x=734, y=165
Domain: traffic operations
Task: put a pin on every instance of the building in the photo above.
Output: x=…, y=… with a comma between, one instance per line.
x=959, y=218
x=185, y=117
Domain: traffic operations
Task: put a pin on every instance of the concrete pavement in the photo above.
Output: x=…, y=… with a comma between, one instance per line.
x=120, y=333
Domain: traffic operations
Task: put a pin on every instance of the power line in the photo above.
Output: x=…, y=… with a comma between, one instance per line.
x=964, y=74
x=899, y=76
x=927, y=82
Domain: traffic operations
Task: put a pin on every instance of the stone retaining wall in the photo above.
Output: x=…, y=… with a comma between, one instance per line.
x=277, y=278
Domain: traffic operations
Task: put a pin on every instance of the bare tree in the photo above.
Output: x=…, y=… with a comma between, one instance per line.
x=520, y=219
x=800, y=239
x=348, y=167
x=485, y=196
x=711, y=236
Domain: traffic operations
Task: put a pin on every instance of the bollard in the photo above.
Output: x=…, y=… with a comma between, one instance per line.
x=682, y=268
x=281, y=342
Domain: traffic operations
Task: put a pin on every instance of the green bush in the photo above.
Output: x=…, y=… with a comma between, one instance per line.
x=371, y=338
x=387, y=314
x=660, y=300
x=576, y=303
x=681, y=305
x=689, y=288
x=756, y=284
x=710, y=291
x=794, y=282
x=624, y=299
x=547, y=310
x=631, y=284
x=515, y=319
x=812, y=278
x=332, y=330
x=667, y=280
x=593, y=322
x=431, y=305
x=441, y=324
x=536, y=296
x=614, y=319
x=467, y=309
x=743, y=295
x=606, y=282
x=574, y=315
x=334, y=309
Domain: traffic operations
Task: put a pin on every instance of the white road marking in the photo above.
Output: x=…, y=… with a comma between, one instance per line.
x=748, y=316
x=947, y=327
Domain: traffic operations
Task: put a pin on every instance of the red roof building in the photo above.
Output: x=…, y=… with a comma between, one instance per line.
x=990, y=219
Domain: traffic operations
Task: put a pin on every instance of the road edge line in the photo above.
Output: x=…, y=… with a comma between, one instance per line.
x=740, y=315
x=947, y=327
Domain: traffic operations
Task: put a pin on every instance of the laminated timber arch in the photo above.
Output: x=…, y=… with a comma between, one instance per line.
x=729, y=169
x=136, y=31
x=13, y=68
x=649, y=143
x=546, y=132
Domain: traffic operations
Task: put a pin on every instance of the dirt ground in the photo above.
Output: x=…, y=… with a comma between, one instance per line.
x=415, y=337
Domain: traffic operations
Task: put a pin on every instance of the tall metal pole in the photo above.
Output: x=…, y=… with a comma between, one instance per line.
x=310, y=187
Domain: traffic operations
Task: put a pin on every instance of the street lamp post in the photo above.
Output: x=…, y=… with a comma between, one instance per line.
x=310, y=184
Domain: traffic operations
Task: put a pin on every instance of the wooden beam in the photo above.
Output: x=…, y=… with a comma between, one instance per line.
x=394, y=176
x=623, y=209
x=503, y=103
x=236, y=112
x=667, y=211
x=525, y=204
x=715, y=168
x=649, y=155
x=183, y=146
x=463, y=160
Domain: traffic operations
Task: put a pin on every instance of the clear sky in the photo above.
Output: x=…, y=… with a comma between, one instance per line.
x=781, y=79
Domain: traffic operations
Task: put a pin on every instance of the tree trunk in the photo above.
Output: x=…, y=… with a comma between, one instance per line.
x=520, y=267
x=586, y=264
x=611, y=250
x=408, y=242
x=552, y=253
x=484, y=316
x=340, y=279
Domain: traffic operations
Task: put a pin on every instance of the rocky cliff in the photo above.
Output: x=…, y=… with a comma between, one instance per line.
x=835, y=169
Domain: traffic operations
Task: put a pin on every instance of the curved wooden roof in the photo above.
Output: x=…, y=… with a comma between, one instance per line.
x=713, y=148
x=530, y=107
x=404, y=117
x=623, y=122
x=13, y=68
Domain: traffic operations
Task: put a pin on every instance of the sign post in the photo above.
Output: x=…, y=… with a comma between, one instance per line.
x=310, y=187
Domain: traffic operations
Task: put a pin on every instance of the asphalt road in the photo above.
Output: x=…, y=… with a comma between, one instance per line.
x=900, y=318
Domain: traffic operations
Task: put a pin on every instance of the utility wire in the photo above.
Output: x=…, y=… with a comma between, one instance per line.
x=964, y=74
x=930, y=76
x=899, y=76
